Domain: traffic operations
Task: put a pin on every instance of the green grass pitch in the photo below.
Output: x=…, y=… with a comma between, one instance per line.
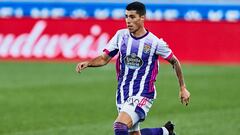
x=51, y=99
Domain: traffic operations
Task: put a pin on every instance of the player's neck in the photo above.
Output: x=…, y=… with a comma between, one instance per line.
x=139, y=33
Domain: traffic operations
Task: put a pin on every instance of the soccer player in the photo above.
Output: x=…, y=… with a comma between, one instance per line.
x=137, y=67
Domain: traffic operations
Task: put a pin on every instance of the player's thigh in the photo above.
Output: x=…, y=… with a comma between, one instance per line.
x=135, y=133
x=123, y=117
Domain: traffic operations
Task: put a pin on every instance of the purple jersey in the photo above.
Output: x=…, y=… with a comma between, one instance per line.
x=137, y=63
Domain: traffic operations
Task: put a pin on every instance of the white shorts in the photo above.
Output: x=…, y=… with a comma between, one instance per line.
x=137, y=108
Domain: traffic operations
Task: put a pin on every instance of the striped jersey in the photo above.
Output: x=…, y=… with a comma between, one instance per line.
x=137, y=63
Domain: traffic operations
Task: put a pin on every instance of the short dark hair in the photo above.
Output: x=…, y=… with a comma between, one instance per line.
x=138, y=6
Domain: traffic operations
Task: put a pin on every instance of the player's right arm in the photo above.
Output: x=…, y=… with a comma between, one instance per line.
x=96, y=62
x=109, y=52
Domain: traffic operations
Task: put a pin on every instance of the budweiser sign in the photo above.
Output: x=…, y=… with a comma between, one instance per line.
x=38, y=44
x=85, y=38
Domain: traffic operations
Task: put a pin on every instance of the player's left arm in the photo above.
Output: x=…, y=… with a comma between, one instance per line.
x=184, y=94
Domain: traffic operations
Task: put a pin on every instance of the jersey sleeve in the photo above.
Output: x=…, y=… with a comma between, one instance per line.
x=163, y=50
x=112, y=47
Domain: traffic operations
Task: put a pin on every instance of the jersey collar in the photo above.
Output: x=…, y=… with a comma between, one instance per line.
x=136, y=38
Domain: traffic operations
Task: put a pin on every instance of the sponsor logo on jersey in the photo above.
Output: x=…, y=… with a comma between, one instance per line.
x=132, y=61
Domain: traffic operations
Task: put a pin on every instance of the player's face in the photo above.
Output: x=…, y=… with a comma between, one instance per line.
x=133, y=20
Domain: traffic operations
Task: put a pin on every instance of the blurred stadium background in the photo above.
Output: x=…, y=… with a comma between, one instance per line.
x=42, y=40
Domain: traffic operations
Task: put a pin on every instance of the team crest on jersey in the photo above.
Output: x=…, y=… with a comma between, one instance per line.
x=147, y=48
x=132, y=61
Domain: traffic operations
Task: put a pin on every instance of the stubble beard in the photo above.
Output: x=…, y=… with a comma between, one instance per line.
x=133, y=31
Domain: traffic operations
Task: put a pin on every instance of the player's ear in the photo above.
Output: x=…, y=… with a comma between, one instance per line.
x=142, y=17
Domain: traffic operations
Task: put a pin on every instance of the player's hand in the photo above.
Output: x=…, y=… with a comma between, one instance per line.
x=184, y=96
x=80, y=66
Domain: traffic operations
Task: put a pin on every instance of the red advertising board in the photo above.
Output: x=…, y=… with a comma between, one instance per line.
x=68, y=39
